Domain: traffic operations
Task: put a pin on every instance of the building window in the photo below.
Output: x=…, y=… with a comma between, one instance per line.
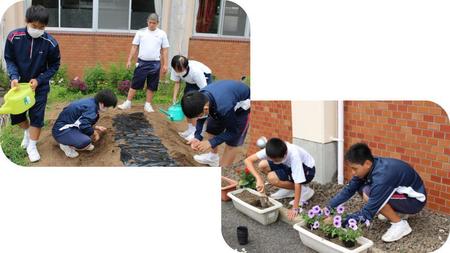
x=221, y=18
x=100, y=14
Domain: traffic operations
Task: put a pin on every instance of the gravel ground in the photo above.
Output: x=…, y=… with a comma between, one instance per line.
x=430, y=230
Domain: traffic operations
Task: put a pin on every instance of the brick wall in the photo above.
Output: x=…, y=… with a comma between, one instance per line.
x=414, y=131
x=270, y=119
x=82, y=50
x=228, y=59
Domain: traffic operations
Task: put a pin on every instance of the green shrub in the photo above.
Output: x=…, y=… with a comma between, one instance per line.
x=118, y=72
x=60, y=78
x=4, y=78
x=96, y=78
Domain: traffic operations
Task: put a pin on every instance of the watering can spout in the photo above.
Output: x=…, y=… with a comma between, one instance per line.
x=174, y=113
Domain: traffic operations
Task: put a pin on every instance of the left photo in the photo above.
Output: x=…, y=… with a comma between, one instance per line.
x=125, y=83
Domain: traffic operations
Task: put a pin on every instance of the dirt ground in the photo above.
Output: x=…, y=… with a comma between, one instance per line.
x=107, y=151
x=430, y=229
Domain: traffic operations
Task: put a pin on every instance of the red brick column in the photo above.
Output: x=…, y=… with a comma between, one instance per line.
x=417, y=132
x=270, y=119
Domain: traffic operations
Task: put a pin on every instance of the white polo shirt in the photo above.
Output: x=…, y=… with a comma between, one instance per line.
x=150, y=43
x=196, y=74
x=295, y=158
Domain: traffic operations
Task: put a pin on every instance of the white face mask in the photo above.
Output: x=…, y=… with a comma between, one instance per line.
x=35, y=33
x=183, y=73
x=103, y=108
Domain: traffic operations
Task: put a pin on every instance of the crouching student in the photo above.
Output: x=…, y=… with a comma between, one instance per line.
x=75, y=128
x=288, y=167
x=225, y=107
x=196, y=75
x=388, y=186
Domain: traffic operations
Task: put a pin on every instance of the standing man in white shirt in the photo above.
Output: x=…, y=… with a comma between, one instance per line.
x=288, y=167
x=196, y=75
x=152, y=61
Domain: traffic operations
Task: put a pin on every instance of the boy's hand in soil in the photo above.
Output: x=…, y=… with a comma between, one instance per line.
x=33, y=84
x=260, y=185
x=100, y=128
x=194, y=142
x=292, y=213
x=15, y=84
x=95, y=136
x=203, y=146
x=328, y=220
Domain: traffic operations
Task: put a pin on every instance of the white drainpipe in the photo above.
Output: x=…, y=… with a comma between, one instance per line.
x=340, y=141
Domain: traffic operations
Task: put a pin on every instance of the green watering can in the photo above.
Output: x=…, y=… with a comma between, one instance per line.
x=18, y=100
x=174, y=113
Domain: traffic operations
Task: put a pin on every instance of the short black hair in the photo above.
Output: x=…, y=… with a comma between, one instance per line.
x=106, y=97
x=359, y=153
x=179, y=63
x=276, y=148
x=37, y=13
x=192, y=103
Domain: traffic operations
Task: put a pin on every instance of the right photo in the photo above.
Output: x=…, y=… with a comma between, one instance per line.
x=340, y=176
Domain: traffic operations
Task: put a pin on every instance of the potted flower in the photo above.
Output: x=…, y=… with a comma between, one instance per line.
x=331, y=230
x=228, y=185
x=349, y=235
x=313, y=217
x=247, y=180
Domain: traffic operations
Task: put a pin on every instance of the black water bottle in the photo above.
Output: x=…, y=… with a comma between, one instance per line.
x=242, y=235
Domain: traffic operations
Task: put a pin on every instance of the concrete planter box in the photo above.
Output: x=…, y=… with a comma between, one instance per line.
x=230, y=187
x=322, y=245
x=264, y=216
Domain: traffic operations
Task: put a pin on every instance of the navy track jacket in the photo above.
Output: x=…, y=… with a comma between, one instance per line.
x=28, y=58
x=387, y=176
x=82, y=114
x=226, y=98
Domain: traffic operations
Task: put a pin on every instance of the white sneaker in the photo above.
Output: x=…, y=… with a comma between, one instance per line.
x=397, y=231
x=125, y=105
x=208, y=158
x=283, y=193
x=70, y=152
x=306, y=194
x=148, y=107
x=90, y=147
x=25, y=141
x=190, y=137
x=187, y=133
x=33, y=153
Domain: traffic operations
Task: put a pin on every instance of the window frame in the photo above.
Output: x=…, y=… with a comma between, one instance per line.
x=219, y=33
x=95, y=16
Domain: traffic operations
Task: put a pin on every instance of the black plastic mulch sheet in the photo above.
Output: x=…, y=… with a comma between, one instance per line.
x=139, y=146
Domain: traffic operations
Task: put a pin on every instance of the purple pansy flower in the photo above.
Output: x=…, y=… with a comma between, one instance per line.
x=337, y=218
x=340, y=209
x=337, y=223
x=353, y=226
x=311, y=214
x=326, y=211
x=352, y=221
x=316, y=225
x=367, y=222
x=316, y=209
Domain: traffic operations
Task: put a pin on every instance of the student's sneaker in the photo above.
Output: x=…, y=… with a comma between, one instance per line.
x=90, y=147
x=148, y=107
x=283, y=193
x=397, y=231
x=125, y=105
x=25, y=141
x=70, y=152
x=187, y=133
x=306, y=194
x=33, y=153
x=209, y=158
x=190, y=137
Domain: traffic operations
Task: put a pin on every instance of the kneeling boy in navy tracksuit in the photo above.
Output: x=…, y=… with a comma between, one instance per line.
x=32, y=56
x=387, y=185
x=225, y=107
x=74, y=128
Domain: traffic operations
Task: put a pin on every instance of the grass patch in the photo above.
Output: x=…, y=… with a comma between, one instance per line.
x=11, y=137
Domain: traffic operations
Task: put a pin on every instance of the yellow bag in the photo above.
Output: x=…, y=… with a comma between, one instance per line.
x=18, y=100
